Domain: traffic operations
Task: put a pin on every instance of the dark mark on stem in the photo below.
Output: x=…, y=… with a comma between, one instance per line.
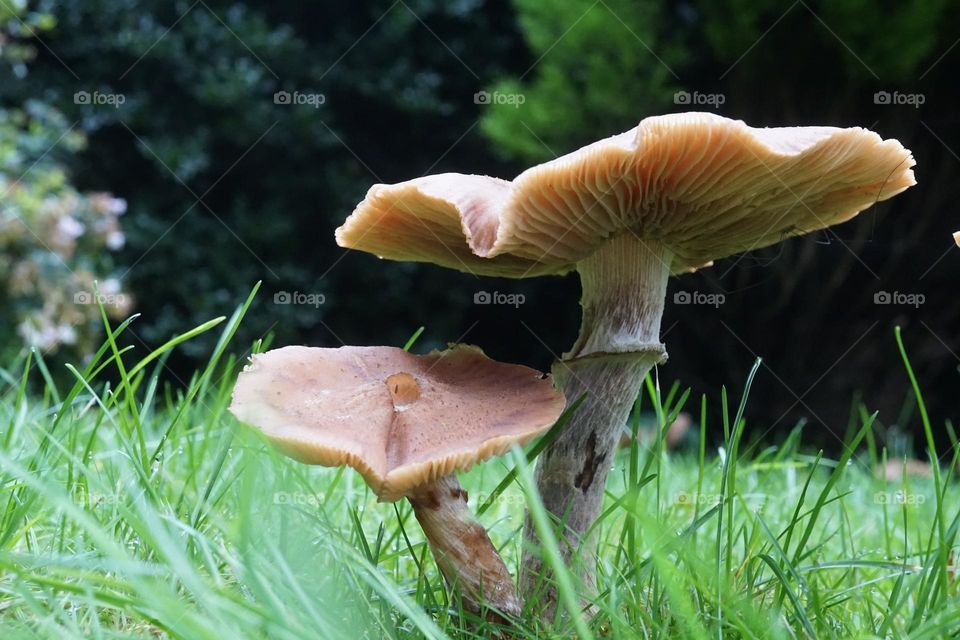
x=593, y=461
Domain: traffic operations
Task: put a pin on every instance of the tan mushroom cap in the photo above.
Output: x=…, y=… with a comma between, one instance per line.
x=399, y=419
x=956, y=238
x=703, y=185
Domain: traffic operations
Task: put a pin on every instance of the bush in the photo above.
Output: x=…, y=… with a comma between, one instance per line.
x=55, y=242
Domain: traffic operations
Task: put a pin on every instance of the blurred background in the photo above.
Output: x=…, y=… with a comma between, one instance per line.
x=178, y=152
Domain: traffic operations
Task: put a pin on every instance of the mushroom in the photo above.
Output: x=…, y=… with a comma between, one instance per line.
x=894, y=470
x=667, y=197
x=956, y=238
x=407, y=423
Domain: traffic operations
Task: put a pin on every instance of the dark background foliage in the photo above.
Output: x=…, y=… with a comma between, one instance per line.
x=225, y=187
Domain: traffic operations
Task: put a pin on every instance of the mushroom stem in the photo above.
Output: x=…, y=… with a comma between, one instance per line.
x=461, y=547
x=624, y=285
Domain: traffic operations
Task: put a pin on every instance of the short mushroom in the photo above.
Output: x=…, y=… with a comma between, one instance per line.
x=407, y=423
x=667, y=197
x=894, y=470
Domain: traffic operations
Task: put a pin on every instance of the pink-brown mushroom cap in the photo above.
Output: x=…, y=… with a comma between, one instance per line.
x=703, y=185
x=399, y=419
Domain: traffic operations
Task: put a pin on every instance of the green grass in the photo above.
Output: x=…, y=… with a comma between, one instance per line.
x=142, y=510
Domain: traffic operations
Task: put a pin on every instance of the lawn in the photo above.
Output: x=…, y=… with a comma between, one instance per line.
x=143, y=509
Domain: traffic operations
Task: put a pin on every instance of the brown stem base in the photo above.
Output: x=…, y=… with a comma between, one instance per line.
x=461, y=547
x=571, y=474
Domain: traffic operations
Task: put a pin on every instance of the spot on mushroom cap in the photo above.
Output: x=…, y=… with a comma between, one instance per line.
x=703, y=185
x=399, y=419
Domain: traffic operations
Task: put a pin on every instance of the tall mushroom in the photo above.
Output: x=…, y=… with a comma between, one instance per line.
x=407, y=423
x=669, y=196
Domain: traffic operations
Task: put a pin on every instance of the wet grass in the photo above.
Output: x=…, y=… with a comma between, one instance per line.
x=141, y=509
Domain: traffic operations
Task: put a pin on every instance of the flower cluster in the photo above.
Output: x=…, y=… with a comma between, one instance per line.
x=55, y=243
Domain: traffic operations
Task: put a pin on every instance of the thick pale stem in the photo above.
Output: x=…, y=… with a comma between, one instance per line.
x=624, y=285
x=461, y=547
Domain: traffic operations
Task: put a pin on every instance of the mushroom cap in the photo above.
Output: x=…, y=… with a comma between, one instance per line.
x=400, y=419
x=703, y=185
x=956, y=238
